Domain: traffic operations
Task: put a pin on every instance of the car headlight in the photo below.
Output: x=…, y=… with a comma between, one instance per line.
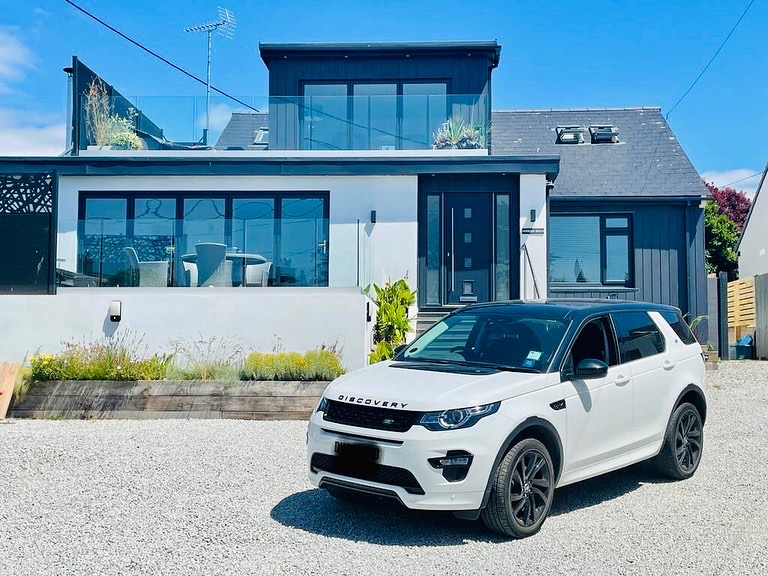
x=457, y=418
x=322, y=406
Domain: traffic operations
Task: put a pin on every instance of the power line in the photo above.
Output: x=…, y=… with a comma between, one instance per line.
x=742, y=179
x=156, y=55
x=711, y=59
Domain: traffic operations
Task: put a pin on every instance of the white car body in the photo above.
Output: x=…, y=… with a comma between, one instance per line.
x=606, y=423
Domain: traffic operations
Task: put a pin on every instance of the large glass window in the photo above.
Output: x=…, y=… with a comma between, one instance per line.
x=375, y=117
x=101, y=255
x=425, y=108
x=326, y=119
x=275, y=238
x=372, y=115
x=590, y=250
x=304, y=242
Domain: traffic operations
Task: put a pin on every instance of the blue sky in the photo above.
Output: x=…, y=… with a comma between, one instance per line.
x=555, y=54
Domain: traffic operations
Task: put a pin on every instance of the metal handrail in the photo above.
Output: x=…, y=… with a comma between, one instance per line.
x=524, y=248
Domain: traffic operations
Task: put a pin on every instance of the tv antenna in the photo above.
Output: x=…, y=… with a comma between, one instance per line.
x=225, y=26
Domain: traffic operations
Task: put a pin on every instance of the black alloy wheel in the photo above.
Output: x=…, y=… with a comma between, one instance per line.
x=522, y=490
x=688, y=441
x=683, y=443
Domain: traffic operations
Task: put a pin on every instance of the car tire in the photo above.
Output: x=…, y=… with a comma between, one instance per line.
x=522, y=489
x=683, y=443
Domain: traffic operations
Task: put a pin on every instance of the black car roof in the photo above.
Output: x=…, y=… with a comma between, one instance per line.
x=571, y=308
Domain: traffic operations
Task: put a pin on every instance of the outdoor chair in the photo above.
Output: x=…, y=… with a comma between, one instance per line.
x=213, y=268
x=257, y=274
x=190, y=273
x=146, y=272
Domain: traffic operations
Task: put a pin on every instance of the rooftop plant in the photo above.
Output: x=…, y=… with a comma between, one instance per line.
x=459, y=134
x=104, y=127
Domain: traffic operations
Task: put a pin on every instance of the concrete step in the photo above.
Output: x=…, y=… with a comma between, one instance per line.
x=425, y=320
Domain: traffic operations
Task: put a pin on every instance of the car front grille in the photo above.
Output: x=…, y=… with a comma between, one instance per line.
x=379, y=473
x=370, y=417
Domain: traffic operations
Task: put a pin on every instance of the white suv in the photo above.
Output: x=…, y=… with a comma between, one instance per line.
x=497, y=405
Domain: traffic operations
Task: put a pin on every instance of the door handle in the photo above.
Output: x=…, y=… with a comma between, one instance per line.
x=668, y=365
x=621, y=380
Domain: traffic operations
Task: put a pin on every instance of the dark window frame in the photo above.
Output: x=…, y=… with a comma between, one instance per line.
x=178, y=196
x=350, y=120
x=605, y=231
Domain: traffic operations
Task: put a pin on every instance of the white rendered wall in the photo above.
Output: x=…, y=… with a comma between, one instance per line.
x=299, y=319
x=386, y=250
x=753, y=249
x=533, y=196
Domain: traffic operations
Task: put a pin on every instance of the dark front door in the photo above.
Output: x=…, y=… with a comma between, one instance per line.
x=467, y=229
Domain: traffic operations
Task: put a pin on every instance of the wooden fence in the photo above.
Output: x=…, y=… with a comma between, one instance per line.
x=741, y=308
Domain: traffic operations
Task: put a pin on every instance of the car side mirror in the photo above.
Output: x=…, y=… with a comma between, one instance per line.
x=591, y=368
x=399, y=348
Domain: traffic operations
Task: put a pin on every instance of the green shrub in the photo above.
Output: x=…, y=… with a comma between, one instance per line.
x=322, y=364
x=392, y=321
x=116, y=358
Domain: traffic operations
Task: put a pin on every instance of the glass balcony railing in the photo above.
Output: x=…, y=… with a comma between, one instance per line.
x=212, y=252
x=312, y=122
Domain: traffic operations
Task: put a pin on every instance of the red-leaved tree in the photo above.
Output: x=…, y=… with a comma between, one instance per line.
x=733, y=204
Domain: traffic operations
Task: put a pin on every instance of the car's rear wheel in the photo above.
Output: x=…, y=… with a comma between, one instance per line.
x=521, y=490
x=683, y=443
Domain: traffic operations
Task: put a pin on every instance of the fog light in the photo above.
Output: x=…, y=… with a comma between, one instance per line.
x=455, y=464
x=454, y=461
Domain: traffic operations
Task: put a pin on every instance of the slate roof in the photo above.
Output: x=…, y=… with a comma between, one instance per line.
x=241, y=130
x=646, y=161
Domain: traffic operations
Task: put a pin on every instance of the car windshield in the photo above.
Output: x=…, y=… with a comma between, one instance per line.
x=501, y=339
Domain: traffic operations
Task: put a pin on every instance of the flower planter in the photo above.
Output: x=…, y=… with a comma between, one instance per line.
x=86, y=399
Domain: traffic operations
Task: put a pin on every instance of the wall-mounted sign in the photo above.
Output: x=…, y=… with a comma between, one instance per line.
x=534, y=231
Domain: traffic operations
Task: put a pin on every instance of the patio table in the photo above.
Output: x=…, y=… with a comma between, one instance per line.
x=238, y=271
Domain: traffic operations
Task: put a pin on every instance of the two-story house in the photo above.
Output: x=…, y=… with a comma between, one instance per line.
x=370, y=162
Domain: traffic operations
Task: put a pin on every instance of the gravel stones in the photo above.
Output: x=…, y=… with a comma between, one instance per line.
x=231, y=497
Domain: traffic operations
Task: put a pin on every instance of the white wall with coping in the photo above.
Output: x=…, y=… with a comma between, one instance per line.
x=533, y=196
x=300, y=319
x=386, y=249
x=753, y=248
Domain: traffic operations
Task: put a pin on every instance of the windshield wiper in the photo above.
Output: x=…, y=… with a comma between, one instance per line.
x=502, y=367
x=506, y=368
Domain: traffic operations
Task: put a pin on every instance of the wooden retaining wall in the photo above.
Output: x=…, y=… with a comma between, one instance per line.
x=170, y=399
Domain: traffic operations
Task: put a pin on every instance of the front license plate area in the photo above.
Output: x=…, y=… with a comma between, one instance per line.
x=356, y=459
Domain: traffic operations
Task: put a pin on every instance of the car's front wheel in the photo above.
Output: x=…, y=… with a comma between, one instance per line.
x=521, y=490
x=683, y=442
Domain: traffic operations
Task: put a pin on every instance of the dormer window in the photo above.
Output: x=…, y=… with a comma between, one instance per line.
x=604, y=133
x=571, y=134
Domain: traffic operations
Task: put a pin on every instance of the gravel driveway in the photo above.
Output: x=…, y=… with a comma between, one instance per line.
x=231, y=497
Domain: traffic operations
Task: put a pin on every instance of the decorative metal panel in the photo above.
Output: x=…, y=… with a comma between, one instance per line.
x=26, y=193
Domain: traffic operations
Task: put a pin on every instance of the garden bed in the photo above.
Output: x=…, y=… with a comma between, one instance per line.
x=144, y=399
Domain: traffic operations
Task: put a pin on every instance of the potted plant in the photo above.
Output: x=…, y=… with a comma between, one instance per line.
x=105, y=128
x=456, y=133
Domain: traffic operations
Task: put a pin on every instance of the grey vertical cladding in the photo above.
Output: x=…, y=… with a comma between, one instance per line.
x=709, y=332
x=761, y=312
x=667, y=269
x=697, y=280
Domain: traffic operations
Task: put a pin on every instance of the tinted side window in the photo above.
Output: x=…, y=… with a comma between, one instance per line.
x=638, y=336
x=677, y=324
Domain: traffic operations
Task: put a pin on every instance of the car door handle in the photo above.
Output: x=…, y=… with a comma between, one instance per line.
x=621, y=380
x=668, y=365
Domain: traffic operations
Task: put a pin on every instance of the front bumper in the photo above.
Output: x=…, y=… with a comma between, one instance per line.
x=410, y=452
